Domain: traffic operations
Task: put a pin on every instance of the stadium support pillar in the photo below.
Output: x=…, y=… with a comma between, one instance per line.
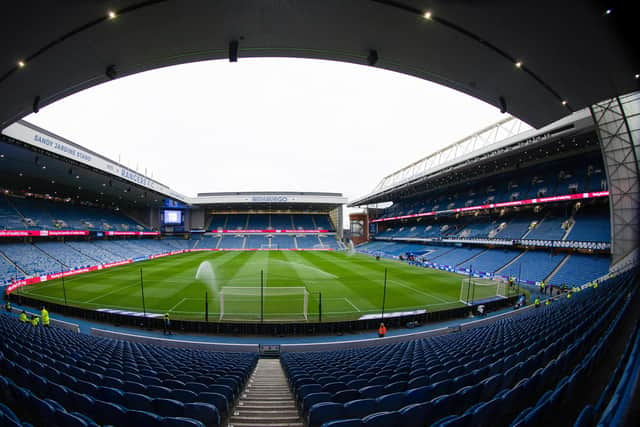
x=144, y=309
x=261, y=296
x=384, y=294
x=618, y=126
x=206, y=307
x=64, y=291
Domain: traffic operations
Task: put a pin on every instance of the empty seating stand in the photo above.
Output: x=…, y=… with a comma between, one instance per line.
x=58, y=378
x=520, y=370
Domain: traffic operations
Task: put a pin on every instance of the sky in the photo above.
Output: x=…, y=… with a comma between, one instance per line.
x=270, y=124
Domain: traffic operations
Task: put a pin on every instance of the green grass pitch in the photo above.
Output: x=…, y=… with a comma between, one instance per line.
x=351, y=286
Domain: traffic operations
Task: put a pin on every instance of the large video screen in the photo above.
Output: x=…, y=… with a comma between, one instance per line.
x=171, y=217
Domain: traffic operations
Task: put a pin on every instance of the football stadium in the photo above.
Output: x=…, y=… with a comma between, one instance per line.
x=493, y=282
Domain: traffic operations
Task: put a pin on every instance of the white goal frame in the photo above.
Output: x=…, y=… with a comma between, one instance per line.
x=501, y=289
x=255, y=292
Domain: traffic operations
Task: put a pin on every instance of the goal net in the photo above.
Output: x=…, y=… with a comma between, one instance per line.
x=268, y=303
x=268, y=246
x=473, y=290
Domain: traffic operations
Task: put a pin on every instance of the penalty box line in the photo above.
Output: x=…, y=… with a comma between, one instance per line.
x=180, y=302
x=347, y=300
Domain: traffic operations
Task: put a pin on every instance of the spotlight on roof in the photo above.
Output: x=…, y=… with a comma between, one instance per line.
x=372, y=58
x=503, y=104
x=111, y=72
x=518, y=64
x=36, y=104
x=233, y=51
x=427, y=15
x=564, y=102
x=608, y=11
x=637, y=76
x=22, y=64
x=112, y=15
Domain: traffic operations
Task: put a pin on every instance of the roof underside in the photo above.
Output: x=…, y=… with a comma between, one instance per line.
x=571, y=50
x=569, y=137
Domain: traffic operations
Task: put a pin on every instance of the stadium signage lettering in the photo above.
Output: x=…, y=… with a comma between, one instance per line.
x=274, y=199
x=268, y=231
x=137, y=178
x=503, y=205
x=42, y=233
x=56, y=145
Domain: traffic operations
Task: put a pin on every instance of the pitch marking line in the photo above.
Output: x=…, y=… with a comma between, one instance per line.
x=419, y=291
x=179, y=302
x=352, y=304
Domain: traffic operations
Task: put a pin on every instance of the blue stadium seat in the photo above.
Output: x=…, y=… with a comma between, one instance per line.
x=108, y=413
x=168, y=407
x=138, y=401
x=325, y=411
x=180, y=422
x=217, y=400
x=206, y=413
x=360, y=408
x=391, y=402
x=185, y=396
x=372, y=391
x=63, y=418
x=142, y=418
x=383, y=419
x=109, y=394
x=224, y=390
x=314, y=398
x=345, y=396
x=352, y=422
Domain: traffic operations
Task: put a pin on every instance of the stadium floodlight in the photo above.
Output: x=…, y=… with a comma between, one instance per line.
x=21, y=64
x=112, y=15
x=503, y=104
x=233, y=51
x=518, y=64
x=427, y=15
x=372, y=58
x=111, y=72
x=564, y=102
x=637, y=76
x=36, y=105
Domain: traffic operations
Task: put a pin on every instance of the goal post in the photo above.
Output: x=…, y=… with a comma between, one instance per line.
x=472, y=290
x=271, y=303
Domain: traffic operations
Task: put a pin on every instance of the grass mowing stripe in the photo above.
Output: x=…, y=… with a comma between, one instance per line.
x=351, y=284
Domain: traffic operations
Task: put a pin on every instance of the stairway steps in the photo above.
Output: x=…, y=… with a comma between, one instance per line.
x=266, y=399
x=270, y=411
x=266, y=407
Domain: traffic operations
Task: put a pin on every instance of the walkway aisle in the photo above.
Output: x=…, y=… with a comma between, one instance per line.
x=266, y=400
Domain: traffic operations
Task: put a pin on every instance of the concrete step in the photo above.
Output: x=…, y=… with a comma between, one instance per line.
x=259, y=419
x=252, y=424
x=267, y=413
x=249, y=393
x=265, y=406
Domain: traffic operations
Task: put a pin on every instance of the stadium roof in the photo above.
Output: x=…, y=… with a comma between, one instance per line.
x=543, y=58
x=507, y=138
